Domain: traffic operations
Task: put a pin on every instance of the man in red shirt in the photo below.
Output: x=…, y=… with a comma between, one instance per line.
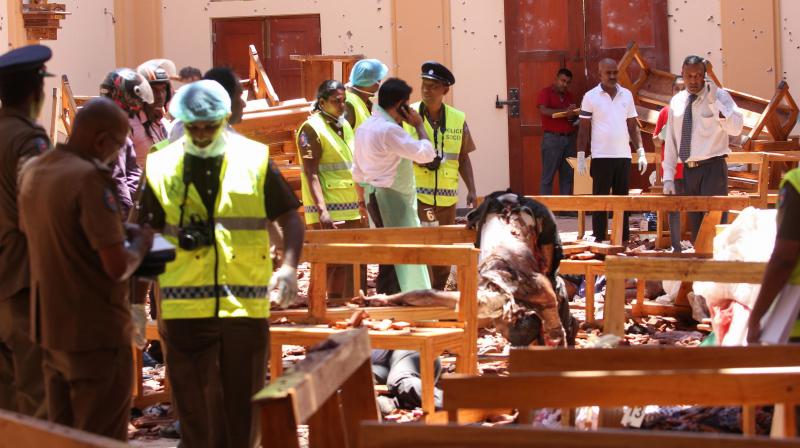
x=558, y=141
x=659, y=135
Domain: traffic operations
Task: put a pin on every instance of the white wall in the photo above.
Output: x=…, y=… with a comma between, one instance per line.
x=479, y=65
x=3, y=26
x=790, y=44
x=187, y=26
x=694, y=29
x=84, y=50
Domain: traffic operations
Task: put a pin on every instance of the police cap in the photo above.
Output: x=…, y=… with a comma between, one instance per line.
x=438, y=72
x=30, y=58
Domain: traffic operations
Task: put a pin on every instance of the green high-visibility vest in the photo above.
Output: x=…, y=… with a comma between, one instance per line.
x=230, y=277
x=359, y=106
x=335, y=163
x=440, y=187
x=793, y=177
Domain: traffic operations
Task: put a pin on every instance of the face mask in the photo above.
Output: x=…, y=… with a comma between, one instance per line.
x=372, y=95
x=214, y=149
x=340, y=121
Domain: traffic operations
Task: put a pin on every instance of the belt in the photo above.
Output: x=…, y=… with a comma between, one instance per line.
x=698, y=163
x=563, y=134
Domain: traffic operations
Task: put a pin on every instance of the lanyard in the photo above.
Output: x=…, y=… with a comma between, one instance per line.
x=442, y=127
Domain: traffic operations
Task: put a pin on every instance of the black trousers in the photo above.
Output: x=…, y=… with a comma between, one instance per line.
x=609, y=176
x=215, y=366
x=708, y=179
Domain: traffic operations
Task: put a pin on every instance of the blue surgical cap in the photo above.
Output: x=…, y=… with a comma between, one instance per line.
x=203, y=100
x=367, y=72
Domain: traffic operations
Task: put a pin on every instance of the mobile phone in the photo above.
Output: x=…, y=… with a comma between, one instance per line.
x=406, y=110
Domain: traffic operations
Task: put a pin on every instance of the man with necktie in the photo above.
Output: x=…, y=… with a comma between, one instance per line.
x=701, y=118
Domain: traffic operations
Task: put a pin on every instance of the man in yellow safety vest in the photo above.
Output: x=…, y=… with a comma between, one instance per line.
x=212, y=193
x=437, y=182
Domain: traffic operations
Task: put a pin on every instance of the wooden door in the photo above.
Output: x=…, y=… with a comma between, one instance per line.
x=541, y=37
x=231, y=40
x=275, y=38
x=287, y=36
x=612, y=24
x=544, y=35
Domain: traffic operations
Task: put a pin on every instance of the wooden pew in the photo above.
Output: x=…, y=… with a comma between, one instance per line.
x=649, y=358
x=259, y=83
x=458, y=336
x=609, y=389
x=715, y=205
x=21, y=431
x=768, y=122
x=377, y=435
x=330, y=390
x=683, y=269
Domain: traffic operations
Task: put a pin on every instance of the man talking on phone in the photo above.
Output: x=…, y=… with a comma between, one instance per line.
x=382, y=164
x=701, y=118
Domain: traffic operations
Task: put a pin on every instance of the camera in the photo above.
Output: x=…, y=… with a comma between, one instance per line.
x=433, y=165
x=195, y=235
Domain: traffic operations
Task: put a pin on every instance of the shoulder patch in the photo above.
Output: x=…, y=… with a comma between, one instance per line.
x=110, y=200
x=41, y=144
x=303, y=140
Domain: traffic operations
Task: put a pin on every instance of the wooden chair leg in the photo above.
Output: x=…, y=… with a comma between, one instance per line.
x=617, y=227
x=567, y=417
x=275, y=361
x=358, y=402
x=318, y=292
x=278, y=426
x=589, y=292
x=581, y=224
x=638, y=306
x=614, y=308
x=427, y=358
x=357, y=279
x=326, y=426
x=749, y=420
x=662, y=241
x=783, y=421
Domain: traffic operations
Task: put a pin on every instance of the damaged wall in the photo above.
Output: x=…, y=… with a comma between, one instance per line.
x=748, y=34
x=3, y=25
x=790, y=44
x=348, y=26
x=694, y=28
x=479, y=65
x=84, y=50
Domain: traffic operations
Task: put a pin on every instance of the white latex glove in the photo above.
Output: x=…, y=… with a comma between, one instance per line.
x=581, y=163
x=139, y=318
x=642, y=161
x=669, y=187
x=285, y=281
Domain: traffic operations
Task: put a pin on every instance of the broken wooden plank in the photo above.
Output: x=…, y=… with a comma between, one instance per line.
x=22, y=431
x=376, y=435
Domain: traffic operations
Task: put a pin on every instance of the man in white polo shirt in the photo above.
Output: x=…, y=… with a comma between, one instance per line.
x=608, y=120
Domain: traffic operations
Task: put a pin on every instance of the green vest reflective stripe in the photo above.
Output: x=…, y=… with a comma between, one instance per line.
x=441, y=185
x=793, y=177
x=239, y=263
x=336, y=180
x=359, y=106
x=159, y=146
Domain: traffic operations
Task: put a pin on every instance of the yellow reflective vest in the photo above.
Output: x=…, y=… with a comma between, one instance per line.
x=230, y=277
x=440, y=187
x=793, y=177
x=359, y=106
x=336, y=180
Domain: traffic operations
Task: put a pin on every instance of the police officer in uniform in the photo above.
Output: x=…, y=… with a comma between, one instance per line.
x=330, y=197
x=81, y=258
x=212, y=193
x=437, y=182
x=22, y=95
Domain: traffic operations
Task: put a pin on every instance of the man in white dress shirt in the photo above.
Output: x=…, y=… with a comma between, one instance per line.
x=701, y=118
x=382, y=165
x=608, y=121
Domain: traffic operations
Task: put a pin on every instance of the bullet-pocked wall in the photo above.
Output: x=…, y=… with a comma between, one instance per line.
x=347, y=26
x=790, y=44
x=3, y=25
x=695, y=28
x=479, y=65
